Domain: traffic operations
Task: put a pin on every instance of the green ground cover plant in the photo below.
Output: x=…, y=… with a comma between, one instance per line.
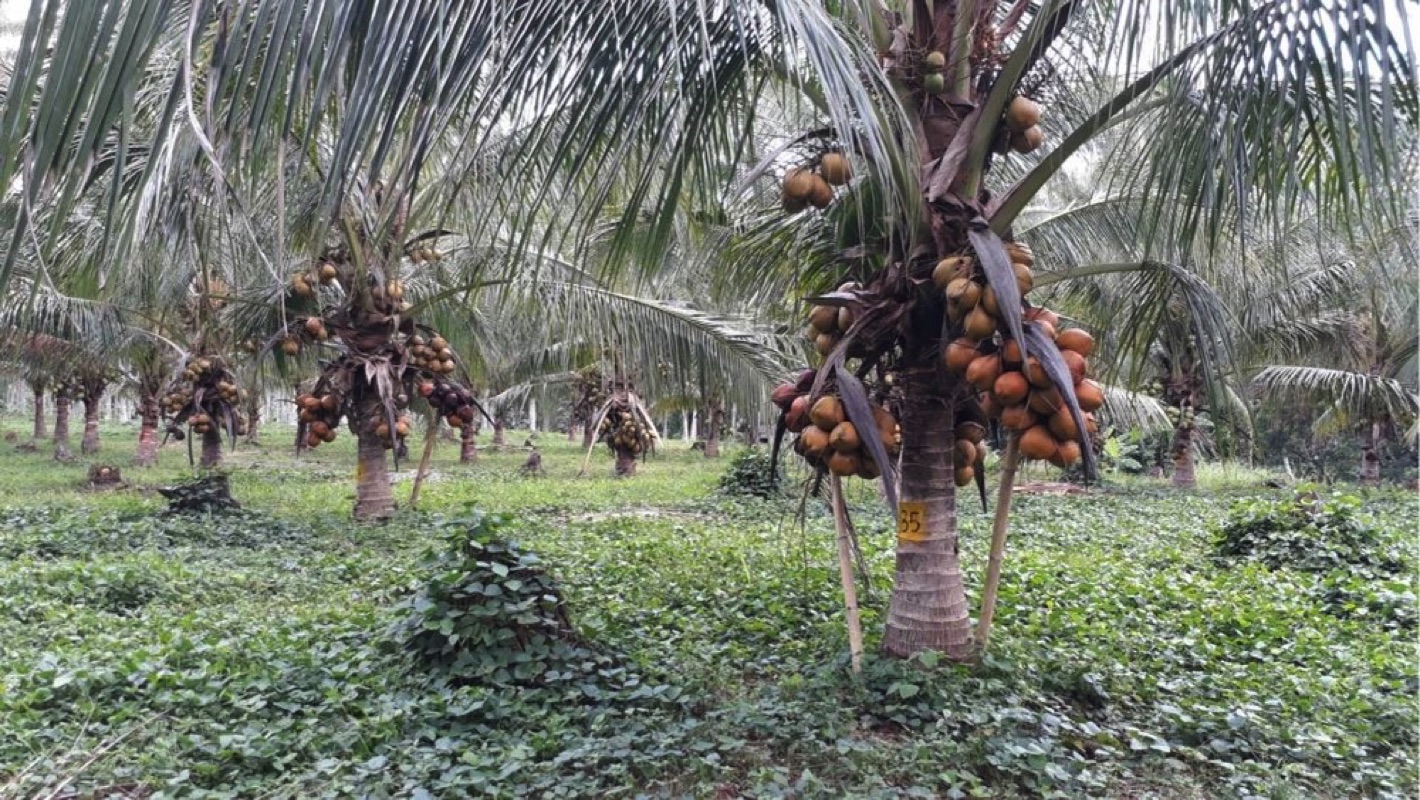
x=570, y=636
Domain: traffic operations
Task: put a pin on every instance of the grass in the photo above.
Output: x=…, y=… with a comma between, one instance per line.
x=256, y=655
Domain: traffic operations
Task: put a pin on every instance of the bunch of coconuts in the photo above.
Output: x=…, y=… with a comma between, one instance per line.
x=205, y=392
x=968, y=451
x=454, y=403
x=321, y=414
x=68, y=388
x=623, y=431
x=1018, y=391
x=813, y=185
x=1021, y=131
x=323, y=272
x=827, y=324
x=432, y=354
x=826, y=437
x=933, y=81
x=422, y=255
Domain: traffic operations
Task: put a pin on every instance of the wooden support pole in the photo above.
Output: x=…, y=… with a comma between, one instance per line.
x=845, y=574
x=429, y=436
x=999, y=527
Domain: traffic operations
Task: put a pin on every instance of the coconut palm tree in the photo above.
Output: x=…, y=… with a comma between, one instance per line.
x=1192, y=106
x=642, y=103
x=1367, y=379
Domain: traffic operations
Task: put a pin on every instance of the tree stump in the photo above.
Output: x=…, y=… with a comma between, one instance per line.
x=204, y=495
x=103, y=477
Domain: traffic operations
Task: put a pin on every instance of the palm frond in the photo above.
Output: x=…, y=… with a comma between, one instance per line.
x=1357, y=394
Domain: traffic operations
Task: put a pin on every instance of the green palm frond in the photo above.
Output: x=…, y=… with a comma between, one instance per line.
x=1126, y=410
x=1357, y=394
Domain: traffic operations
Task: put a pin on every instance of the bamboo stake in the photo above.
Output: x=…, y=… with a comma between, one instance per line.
x=998, y=540
x=429, y=437
x=845, y=574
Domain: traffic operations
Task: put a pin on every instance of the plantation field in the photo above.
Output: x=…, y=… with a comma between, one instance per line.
x=263, y=654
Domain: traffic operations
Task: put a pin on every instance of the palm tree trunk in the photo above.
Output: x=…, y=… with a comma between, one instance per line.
x=587, y=435
x=571, y=431
x=93, y=403
x=373, y=499
x=500, y=434
x=928, y=609
x=253, y=411
x=38, y=388
x=625, y=463
x=468, y=447
x=147, y=454
x=1183, y=472
x=61, y=427
x=1370, y=456
x=211, y=448
x=713, y=415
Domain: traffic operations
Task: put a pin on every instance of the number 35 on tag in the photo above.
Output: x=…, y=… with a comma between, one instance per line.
x=912, y=521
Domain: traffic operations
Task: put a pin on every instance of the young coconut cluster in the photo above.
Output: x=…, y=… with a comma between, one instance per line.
x=812, y=185
x=933, y=65
x=1020, y=130
x=969, y=451
x=1016, y=391
x=205, y=396
x=588, y=395
x=432, y=354
x=828, y=324
x=827, y=439
x=333, y=268
x=623, y=429
x=70, y=388
x=321, y=415
x=454, y=403
x=424, y=255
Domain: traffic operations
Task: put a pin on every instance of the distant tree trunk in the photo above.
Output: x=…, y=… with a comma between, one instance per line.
x=1371, y=456
x=714, y=414
x=468, y=448
x=253, y=414
x=588, y=435
x=571, y=431
x=61, y=427
x=211, y=448
x=300, y=429
x=147, y=454
x=93, y=405
x=625, y=463
x=38, y=388
x=928, y=609
x=1183, y=471
x=500, y=434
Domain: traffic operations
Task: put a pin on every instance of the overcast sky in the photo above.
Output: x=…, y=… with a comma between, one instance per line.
x=12, y=18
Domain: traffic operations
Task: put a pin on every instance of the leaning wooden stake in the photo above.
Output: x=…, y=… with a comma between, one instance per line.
x=429, y=437
x=1007, y=479
x=845, y=574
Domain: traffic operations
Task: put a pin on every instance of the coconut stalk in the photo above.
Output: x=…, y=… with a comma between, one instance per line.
x=430, y=436
x=999, y=527
x=845, y=575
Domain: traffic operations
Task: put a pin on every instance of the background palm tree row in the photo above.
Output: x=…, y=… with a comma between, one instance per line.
x=164, y=156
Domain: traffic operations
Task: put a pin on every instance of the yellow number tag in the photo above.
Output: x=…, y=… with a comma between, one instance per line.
x=912, y=521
